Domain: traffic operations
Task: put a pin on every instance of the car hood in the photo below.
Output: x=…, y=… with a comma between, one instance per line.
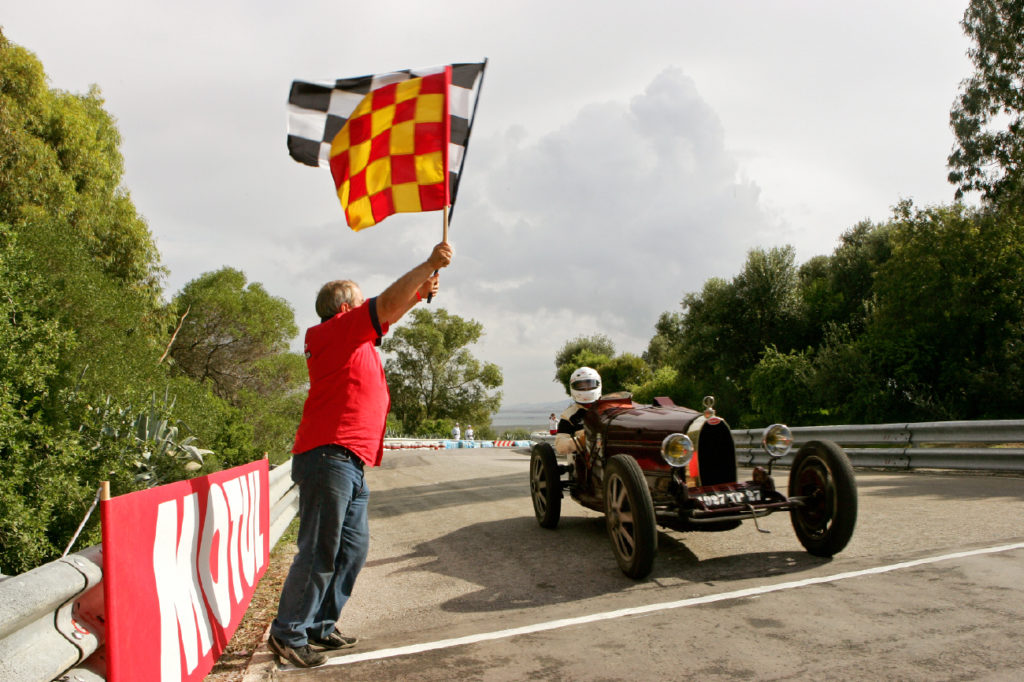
x=645, y=420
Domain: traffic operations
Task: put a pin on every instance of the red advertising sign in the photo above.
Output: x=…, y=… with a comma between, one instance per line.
x=180, y=564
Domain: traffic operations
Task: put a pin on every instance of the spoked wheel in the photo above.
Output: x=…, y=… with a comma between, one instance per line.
x=823, y=477
x=629, y=515
x=545, y=485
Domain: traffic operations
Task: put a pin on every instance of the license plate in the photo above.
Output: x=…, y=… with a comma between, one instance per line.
x=729, y=498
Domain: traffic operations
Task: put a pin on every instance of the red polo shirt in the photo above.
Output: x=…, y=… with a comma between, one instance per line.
x=348, y=399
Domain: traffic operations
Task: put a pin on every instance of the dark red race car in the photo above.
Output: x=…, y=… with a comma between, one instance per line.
x=661, y=464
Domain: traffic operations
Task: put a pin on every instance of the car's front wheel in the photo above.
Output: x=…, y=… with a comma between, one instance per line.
x=822, y=477
x=629, y=515
x=545, y=485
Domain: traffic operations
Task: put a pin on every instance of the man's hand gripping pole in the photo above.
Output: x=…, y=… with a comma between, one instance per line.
x=444, y=238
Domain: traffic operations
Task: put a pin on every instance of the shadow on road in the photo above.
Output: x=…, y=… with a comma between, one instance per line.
x=516, y=564
x=455, y=493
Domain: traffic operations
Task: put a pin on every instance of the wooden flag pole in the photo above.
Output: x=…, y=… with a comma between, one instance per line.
x=444, y=238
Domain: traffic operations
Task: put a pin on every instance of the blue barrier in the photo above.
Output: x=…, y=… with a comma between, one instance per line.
x=456, y=444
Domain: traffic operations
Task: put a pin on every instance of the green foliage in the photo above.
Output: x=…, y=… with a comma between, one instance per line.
x=663, y=382
x=147, y=439
x=274, y=406
x=725, y=328
x=115, y=332
x=584, y=357
x=949, y=308
x=233, y=337
x=228, y=329
x=60, y=163
x=988, y=117
x=433, y=428
x=834, y=289
x=583, y=351
x=663, y=349
x=599, y=344
x=432, y=375
x=394, y=427
x=34, y=503
x=780, y=388
x=82, y=325
x=618, y=373
x=915, y=319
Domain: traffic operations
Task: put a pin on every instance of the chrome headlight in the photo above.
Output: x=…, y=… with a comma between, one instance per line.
x=777, y=440
x=677, y=449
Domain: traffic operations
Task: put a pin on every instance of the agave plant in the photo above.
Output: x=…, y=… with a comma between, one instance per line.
x=150, y=439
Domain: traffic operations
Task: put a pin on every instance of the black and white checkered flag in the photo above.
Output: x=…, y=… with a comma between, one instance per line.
x=318, y=110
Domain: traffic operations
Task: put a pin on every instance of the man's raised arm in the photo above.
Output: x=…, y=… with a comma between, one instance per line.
x=398, y=298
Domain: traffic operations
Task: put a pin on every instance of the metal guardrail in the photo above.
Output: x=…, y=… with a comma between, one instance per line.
x=42, y=633
x=989, y=445
x=51, y=618
x=284, y=500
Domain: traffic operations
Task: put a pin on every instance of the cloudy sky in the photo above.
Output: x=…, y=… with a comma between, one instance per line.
x=623, y=152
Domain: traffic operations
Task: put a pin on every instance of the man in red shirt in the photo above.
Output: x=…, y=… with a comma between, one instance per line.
x=341, y=432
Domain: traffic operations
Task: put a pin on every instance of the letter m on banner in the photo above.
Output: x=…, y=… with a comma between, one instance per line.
x=180, y=564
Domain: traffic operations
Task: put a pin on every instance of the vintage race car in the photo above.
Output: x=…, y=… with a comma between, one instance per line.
x=662, y=464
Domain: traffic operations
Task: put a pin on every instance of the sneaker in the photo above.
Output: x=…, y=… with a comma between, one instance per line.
x=302, y=657
x=335, y=640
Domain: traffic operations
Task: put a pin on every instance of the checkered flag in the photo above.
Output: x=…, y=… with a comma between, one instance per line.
x=317, y=111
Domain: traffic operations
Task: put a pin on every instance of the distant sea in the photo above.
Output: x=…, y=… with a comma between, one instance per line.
x=530, y=416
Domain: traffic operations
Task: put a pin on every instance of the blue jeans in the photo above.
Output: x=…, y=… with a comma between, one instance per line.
x=334, y=538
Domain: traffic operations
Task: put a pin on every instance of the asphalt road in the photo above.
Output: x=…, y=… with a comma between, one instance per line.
x=462, y=584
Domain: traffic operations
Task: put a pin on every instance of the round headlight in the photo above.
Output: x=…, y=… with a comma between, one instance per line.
x=777, y=440
x=677, y=449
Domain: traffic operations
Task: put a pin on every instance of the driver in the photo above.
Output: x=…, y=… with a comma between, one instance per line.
x=585, y=388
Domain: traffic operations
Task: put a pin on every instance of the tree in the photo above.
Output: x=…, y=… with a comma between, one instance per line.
x=582, y=351
x=837, y=288
x=272, y=404
x=83, y=323
x=228, y=329
x=727, y=325
x=780, y=388
x=618, y=372
x=663, y=382
x=768, y=301
x=432, y=375
x=60, y=162
x=79, y=292
x=662, y=350
x=988, y=116
x=945, y=331
x=623, y=371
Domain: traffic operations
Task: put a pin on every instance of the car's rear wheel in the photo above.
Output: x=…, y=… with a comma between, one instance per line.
x=823, y=477
x=629, y=515
x=545, y=485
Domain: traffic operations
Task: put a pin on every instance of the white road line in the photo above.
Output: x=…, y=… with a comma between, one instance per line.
x=650, y=608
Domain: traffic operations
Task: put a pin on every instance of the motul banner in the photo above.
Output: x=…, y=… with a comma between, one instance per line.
x=180, y=564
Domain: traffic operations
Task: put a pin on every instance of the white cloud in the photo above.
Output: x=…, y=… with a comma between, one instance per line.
x=615, y=214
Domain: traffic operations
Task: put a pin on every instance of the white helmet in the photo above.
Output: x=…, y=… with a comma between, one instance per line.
x=585, y=385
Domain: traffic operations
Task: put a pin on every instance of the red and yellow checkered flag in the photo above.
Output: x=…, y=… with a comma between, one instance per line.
x=391, y=156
